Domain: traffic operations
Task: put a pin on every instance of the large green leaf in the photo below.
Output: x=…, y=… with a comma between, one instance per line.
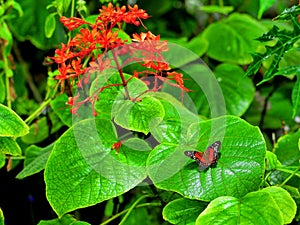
x=82, y=170
x=229, y=86
x=140, y=115
x=176, y=120
x=35, y=160
x=239, y=169
x=9, y=146
x=270, y=206
x=112, y=97
x=206, y=94
x=11, y=125
x=198, y=45
x=238, y=92
x=232, y=39
x=183, y=211
x=33, y=27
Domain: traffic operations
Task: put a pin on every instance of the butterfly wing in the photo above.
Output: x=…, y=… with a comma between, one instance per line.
x=207, y=158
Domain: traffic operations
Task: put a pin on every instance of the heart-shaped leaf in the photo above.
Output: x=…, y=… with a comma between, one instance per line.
x=183, y=211
x=232, y=39
x=237, y=91
x=82, y=170
x=112, y=97
x=140, y=115
x=238, y=171
x=177, y=118
x=270, y=206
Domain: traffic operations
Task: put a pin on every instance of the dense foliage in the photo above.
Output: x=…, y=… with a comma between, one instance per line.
x=149, y=112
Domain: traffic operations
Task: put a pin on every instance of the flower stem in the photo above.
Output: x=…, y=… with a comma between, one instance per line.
x=126, y=210
x=289, y=177
x=37, y=111
x=121, y=74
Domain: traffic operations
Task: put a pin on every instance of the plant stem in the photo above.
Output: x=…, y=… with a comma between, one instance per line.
x=289, y=177
x=132, y=207
x=126, y=210
x=121, y=74
x=8, y=97
x=37, y=111
x=72, y=8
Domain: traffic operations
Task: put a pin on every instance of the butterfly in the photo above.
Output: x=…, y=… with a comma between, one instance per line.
x=207, y=158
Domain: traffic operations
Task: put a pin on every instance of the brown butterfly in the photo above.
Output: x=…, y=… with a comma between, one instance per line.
x=207, y=158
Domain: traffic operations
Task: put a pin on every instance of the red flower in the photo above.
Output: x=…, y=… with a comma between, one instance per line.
x=72, y=23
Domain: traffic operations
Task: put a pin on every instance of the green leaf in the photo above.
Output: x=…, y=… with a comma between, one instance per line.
x=287, y=149
x=112, y=98
x=11, y=124
x=39, y=130
x=176, y=120
x=217, y=9
x=2, y=160
x=238, y=170
x=284, y=201
x=232, y=39
x=270, y=206
x=140, y=115
x=272, y=161
x=35, y=160
x=50, y=25
x=285, y=41
x=31, y=25
x=206, y=94
x=9, y=146
x=63, y=112
x=238, y=91
x=263, y=6
x=183, y=211
x=293, y=191
x=296, y=97
x=198, y=45
x=82, y=170
x=287, y=152
x=65, y=220
x=1, y=217
x=289, y=13
x=229, y=86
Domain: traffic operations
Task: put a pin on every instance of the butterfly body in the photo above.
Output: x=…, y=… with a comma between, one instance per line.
x=207, y=158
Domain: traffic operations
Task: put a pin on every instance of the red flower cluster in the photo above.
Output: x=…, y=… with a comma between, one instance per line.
x=93, y=41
